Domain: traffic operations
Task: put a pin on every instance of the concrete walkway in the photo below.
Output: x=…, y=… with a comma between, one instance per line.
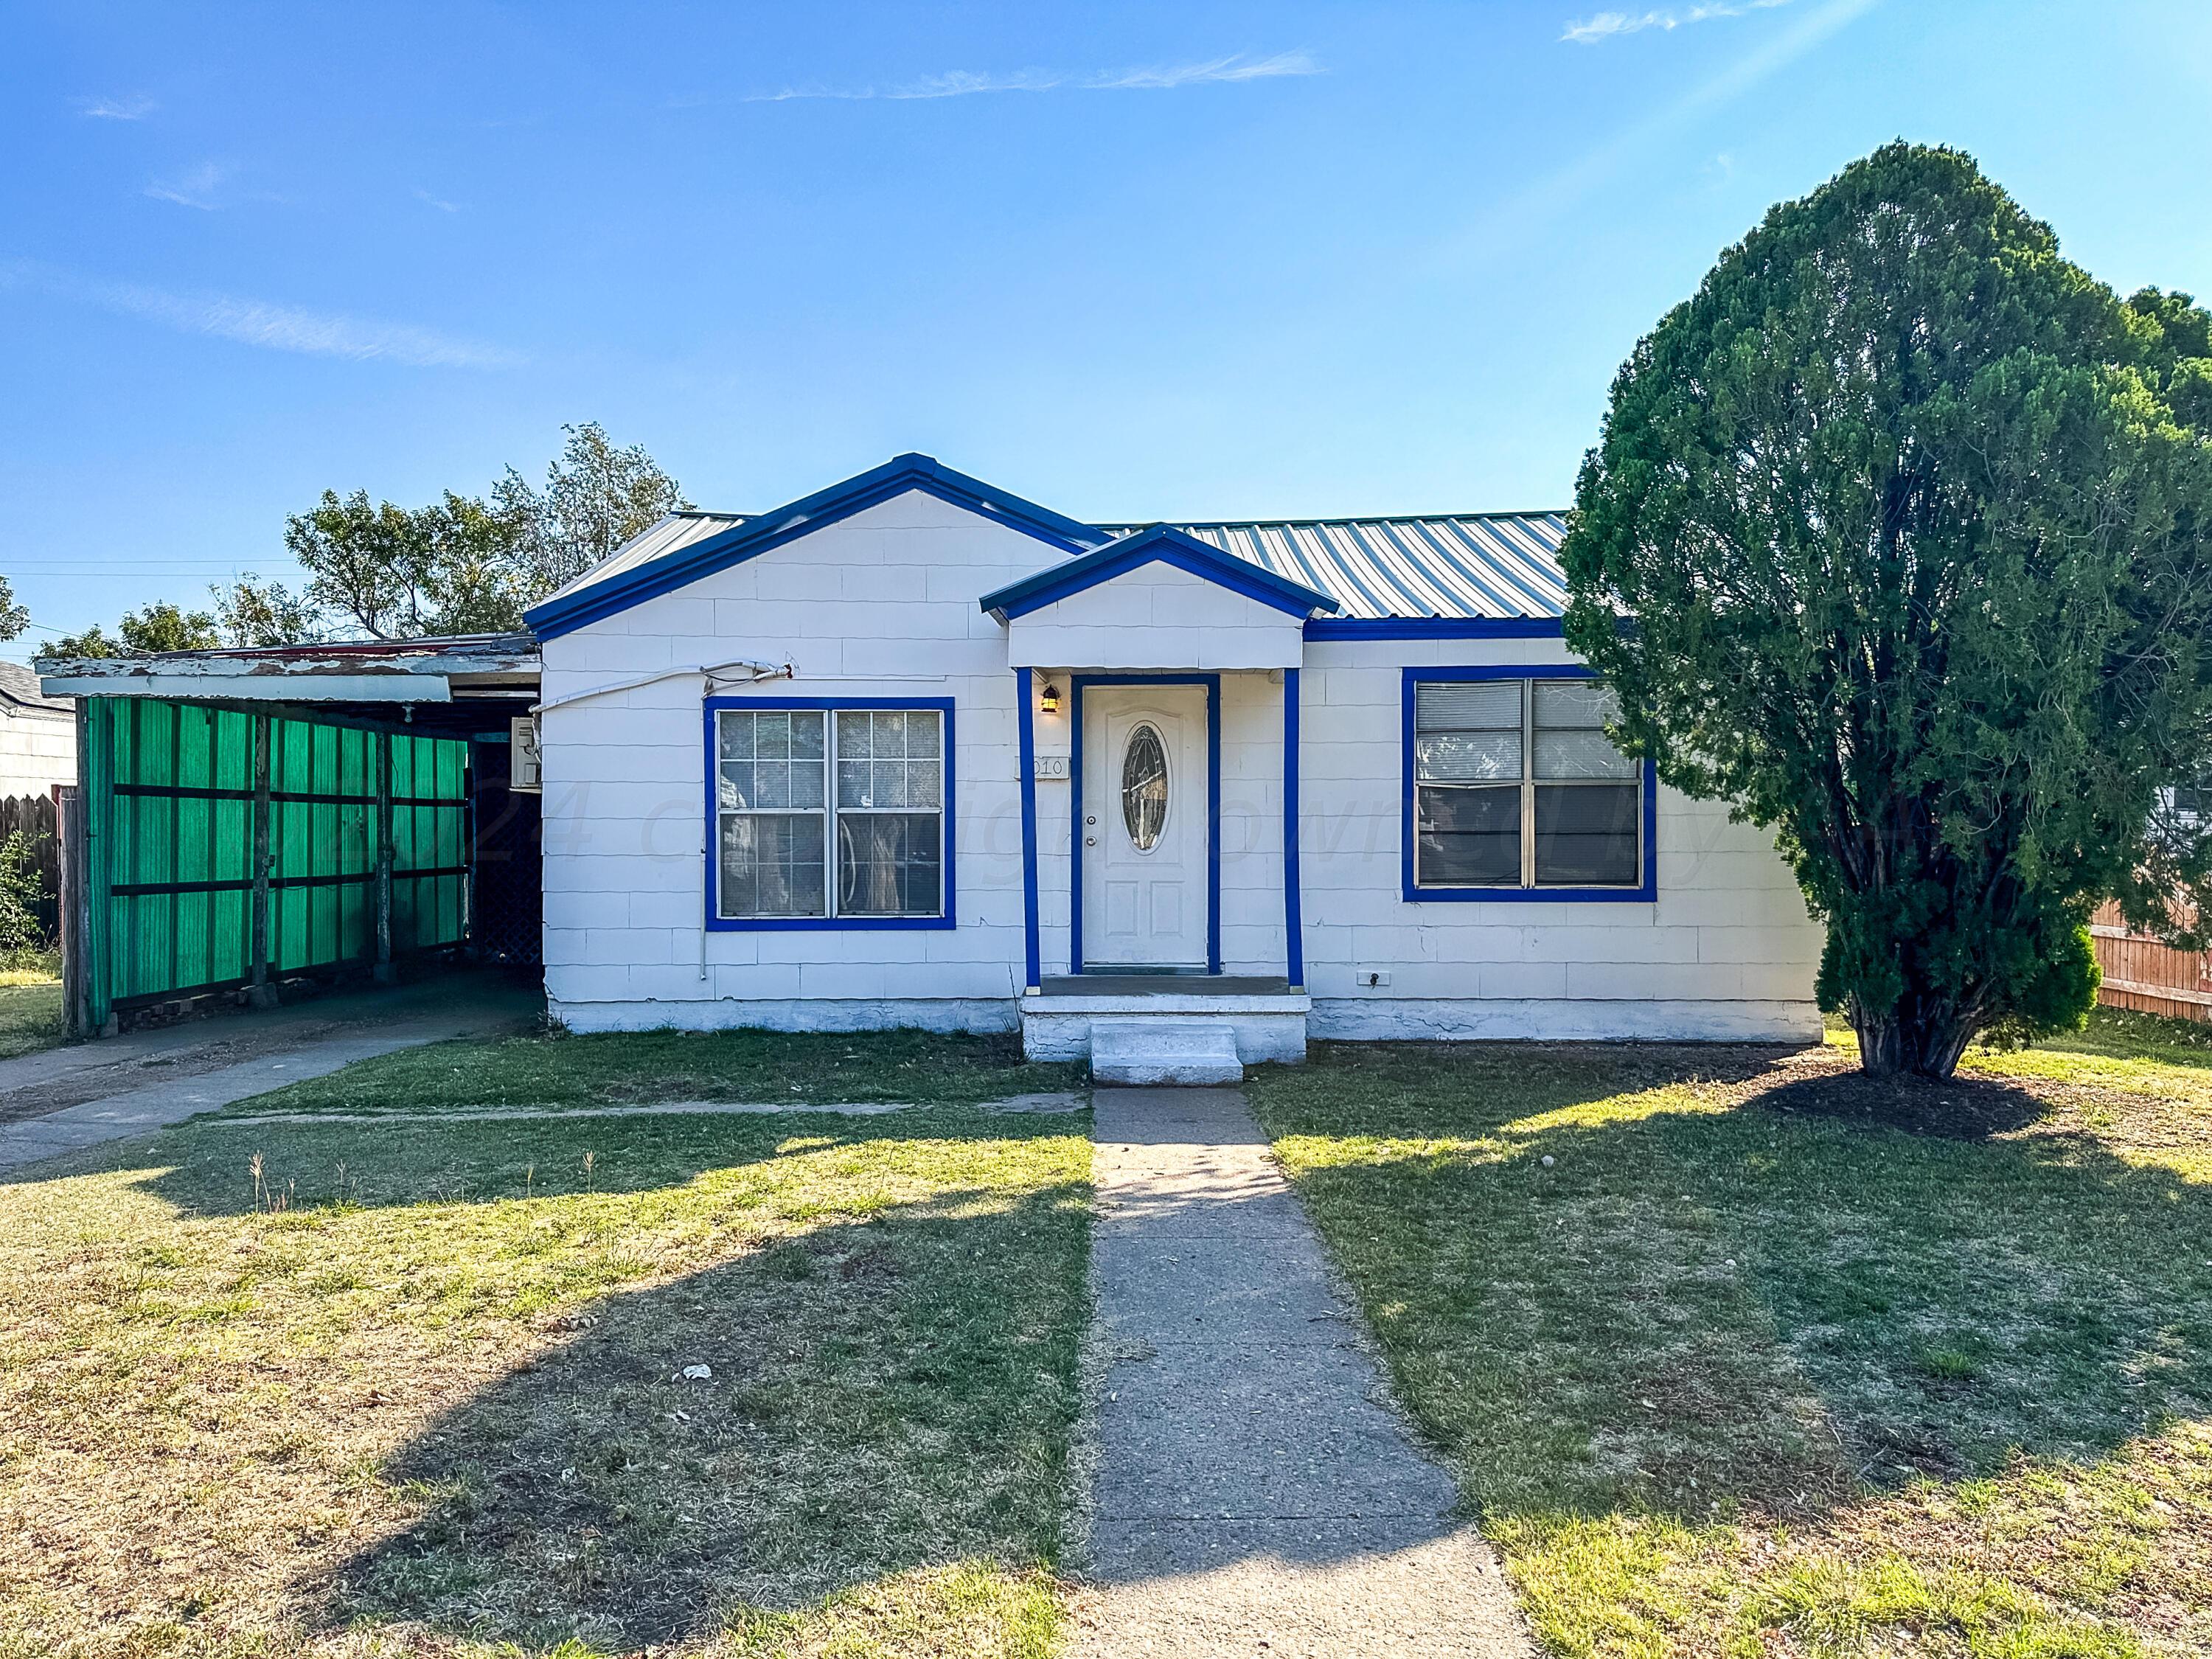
x=62, y=1099
x=1254, y=1494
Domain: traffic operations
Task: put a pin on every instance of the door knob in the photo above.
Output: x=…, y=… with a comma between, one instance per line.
x=1091, y=840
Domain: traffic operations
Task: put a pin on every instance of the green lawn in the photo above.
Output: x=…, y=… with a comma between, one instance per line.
x=30, y=1008
x=653, y=1067
x=354, y=1389
x=1772, y=1361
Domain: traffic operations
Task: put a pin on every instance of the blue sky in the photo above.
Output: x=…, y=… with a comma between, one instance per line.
x=1135, y=261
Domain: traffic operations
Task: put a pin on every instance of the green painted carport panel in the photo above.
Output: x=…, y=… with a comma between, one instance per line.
x=172, y=812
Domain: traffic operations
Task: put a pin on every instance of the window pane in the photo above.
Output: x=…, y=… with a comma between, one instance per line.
x=1468, y=706
x=852, y=736
x=736, y=789
x=1144, y=787
x=771, y=865
x=890, y=864
x=1466, y=756
x=1580, y=755
x=1575, y=704
x=737, y=735
x=1466, y=837
x=922, y=734
x=1586, y=836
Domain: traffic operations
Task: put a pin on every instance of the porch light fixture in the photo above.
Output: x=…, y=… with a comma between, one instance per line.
x=1049, y=699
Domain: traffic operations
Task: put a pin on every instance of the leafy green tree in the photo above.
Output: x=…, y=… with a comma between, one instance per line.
x=463, y=564
x=160, y=627
x=596, y=497
x=393, y=572
x=14, y=619
x=253, y=611
x=1895, y=538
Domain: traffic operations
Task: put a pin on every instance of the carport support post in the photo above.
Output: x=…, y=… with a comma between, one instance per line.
x=260, y=993
x=384, y=972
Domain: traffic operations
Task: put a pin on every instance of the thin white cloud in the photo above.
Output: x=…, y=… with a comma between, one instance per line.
x=439, y=203
x=115, y=109
x=1513, y=220
x=195, y=189
x=1606, y=25
x=261, y=323
x=960, y=84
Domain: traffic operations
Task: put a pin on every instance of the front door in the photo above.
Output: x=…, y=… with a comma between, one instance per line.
x=1144, y=829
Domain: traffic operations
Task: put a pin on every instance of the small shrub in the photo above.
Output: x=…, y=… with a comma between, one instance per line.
x=22, y=891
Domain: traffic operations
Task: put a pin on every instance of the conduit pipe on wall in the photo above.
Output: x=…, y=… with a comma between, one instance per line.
x=716, y=671
x=715, y=674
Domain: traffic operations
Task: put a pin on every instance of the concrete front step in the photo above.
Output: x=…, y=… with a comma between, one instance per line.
x=1265, y=1027
x=1152, y=1052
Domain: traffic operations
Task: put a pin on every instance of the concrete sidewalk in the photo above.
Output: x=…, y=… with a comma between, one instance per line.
x=1255, y=1493
x=61, y=1099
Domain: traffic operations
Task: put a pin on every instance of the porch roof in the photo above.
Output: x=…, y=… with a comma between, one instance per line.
x=1163, y=545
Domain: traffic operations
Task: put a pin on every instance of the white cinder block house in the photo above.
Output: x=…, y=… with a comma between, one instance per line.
x=915, y=751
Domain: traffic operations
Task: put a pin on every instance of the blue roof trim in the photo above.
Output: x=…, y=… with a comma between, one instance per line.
x=1162, y=544
x=756, y=535
x=1435, y=628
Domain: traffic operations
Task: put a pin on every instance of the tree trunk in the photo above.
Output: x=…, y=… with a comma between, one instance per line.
x=1926, y=1043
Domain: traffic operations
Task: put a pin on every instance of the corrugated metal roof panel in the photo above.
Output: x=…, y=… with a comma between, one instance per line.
x=672, y=533
x=1476, y=564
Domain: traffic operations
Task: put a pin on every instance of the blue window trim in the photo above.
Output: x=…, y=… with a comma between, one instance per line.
x=756, y=535
x=1026, y=701
x=1162, y=544
x=721, y=924
x=1646, y=892
x=1436, y=628
x=1212, y=684
x=1294, y=938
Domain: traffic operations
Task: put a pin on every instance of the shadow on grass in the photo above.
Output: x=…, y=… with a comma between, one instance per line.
x=1746, y=1280
x=883, y=1396
x=309, y=1172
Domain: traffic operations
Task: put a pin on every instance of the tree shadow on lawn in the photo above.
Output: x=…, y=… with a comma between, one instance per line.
x=893, y=1383
x=1750, y=1280
x=883, y=1397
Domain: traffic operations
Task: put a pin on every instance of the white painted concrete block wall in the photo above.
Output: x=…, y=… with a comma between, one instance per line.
x=1156, y=616
x=881, y=603
x=1727, y=949
x=37, y=751
x=884, y=603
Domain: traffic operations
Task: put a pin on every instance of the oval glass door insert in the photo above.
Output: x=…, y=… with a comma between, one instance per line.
x=1144, y=787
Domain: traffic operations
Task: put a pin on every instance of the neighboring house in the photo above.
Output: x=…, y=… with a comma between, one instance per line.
x=38, y=735
x=915, y=751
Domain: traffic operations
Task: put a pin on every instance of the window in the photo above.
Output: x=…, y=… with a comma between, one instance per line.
x=830, y=814
x=1515, y=788
x=1144, y=787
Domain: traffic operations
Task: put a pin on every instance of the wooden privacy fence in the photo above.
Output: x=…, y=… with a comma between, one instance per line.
x=35, y=816
x=2143, y=974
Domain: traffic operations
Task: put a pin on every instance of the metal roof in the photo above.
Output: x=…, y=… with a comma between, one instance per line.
x=672, y=534
x=1468, y=564
x=1478, y=564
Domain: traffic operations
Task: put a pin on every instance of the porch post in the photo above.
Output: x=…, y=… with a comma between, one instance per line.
x=1294, y=944
x=1025, y=697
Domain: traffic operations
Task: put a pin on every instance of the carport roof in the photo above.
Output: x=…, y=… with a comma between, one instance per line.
x=344, y=670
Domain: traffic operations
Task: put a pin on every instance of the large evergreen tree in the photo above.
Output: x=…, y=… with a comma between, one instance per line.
x=1896, y=537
